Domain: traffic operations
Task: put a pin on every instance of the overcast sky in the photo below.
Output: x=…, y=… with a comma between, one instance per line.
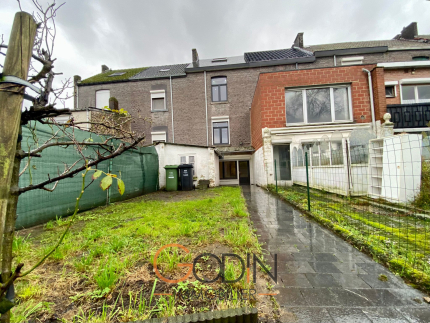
x=126, y=34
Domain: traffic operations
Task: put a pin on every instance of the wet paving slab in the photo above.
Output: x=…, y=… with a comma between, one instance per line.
x=322, y=278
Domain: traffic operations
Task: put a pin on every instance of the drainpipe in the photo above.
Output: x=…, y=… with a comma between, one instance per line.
x=171, y=106
x=372, y=106
x=334, y=60
x=206, y=104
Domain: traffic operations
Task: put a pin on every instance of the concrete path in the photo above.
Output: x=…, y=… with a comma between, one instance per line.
x=321, y=278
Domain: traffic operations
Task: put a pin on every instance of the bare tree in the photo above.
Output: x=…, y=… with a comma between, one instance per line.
x=43, y=111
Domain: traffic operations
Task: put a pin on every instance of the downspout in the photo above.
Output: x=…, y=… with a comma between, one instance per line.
x=334, y=60
x=206, y=104
x=372, y=106
x=171, y=106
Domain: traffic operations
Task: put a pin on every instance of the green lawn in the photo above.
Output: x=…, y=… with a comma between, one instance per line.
x=399, y=240
x=103, y=270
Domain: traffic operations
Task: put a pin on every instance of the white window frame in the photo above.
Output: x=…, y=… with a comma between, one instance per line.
x=413, y=82
x=392, y=83
x=221, y=119
x=187, y=161
x=158, y=136
x=346, y=61
x=99, y=92
x=157, y=94
x=305, y=105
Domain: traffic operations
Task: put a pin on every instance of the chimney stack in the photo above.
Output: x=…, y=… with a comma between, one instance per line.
x=105, y=68
x=195, y=57
x=76, y=80
x=410, y=32
x=298, y=42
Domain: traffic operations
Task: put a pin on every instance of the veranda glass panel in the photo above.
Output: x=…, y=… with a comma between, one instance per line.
x=294, y=106
x=283, y=163
x=319, y=107
x=336, y=153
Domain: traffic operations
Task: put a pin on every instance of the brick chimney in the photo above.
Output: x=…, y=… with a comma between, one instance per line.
x=410, y=32
x=105, y=68
x=195, y=57
x=298, y=42
x=76, y=80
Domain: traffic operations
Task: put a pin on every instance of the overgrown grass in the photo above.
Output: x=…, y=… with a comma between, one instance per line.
x=398, y=240
x=103, y=270
x=423, y=199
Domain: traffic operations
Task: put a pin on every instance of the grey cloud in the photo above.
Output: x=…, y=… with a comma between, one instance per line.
x=124, y=34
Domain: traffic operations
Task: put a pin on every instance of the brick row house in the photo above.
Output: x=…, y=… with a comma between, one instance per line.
x=252, y=110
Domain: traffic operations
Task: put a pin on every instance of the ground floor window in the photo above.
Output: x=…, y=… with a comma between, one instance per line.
x=281, y=154
x=227, y=170
x=189, y=160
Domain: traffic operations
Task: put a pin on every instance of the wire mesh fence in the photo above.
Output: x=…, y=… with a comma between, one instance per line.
x=375, y=193
x=138, y=169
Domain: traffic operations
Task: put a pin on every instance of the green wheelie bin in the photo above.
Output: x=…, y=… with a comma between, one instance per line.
x=171, y=177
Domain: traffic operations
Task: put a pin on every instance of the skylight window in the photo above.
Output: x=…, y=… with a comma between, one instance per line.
x=215, y=60
x=117, y=74
x=165, y=70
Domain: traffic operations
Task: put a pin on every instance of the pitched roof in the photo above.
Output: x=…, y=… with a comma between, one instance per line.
x=107, y=77
x=161, y=71
x=394, y=43
x=278, y=54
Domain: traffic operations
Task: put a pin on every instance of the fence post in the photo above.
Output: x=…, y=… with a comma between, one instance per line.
x=307, y=181
x=276, y=178
x=108, y=190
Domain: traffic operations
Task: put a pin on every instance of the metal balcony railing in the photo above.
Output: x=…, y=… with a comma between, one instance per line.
x=415, y=115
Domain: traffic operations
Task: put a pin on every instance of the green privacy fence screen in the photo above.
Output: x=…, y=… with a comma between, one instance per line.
x=138, y=169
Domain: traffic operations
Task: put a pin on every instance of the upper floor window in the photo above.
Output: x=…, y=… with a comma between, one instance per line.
x=219, y=89
x=318, y=105
x=220, y=133
x=102, y=99
x=390, y=91
x=158, y=100
x=159, y=136
x=415, y=93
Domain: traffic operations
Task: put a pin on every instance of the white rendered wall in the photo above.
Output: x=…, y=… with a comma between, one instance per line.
x=205, y=161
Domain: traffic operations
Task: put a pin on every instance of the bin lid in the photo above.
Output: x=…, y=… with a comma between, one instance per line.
x=171, y=166
x=185, y=166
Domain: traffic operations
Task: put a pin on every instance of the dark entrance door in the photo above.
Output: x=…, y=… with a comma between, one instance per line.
x=244, y=178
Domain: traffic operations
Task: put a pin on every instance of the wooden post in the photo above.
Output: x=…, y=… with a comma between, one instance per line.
x=17, y=62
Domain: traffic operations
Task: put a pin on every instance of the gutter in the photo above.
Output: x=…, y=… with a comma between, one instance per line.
x=171, y=106
x=372, y=106
x=404, y=64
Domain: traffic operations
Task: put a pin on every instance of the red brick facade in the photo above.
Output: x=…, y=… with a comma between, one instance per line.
x=378, y=83
x=404, y=73
x=268, y=107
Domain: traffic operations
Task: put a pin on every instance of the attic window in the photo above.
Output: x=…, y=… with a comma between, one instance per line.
x=420, y=58
x=165, y=70
x=215, y=60
x=117, y=74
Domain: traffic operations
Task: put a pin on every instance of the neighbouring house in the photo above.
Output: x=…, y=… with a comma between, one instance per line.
x=260, y=107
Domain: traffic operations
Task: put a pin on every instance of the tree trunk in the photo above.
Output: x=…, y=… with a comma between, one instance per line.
x=9, y=228
x=16, y=63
